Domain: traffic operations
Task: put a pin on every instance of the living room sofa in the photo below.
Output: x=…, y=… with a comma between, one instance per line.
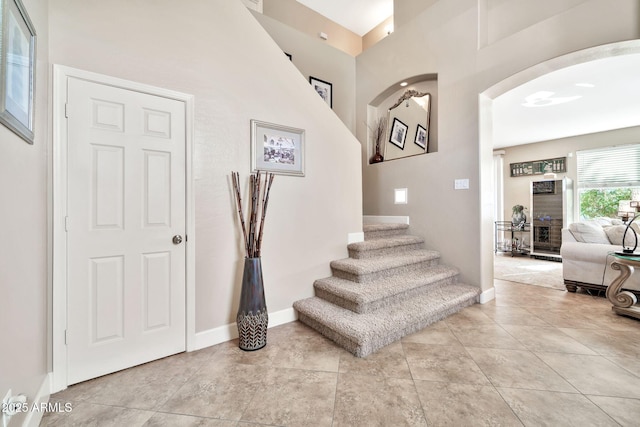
x=586, y=254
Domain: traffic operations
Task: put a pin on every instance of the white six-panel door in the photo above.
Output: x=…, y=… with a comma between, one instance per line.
x=126, y=203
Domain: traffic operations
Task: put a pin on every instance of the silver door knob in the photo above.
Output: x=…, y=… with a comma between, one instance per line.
x=177, y=239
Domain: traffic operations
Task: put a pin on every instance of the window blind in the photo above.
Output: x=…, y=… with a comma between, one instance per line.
x=617, y=166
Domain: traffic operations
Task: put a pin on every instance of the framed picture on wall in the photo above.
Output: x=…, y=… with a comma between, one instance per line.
x=421, y=137
x=276, y=148
x=398, y=133
x=17, y=63
x=324, y=89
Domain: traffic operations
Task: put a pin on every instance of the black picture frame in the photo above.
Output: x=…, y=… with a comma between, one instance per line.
x=323, y=88
x=398, y=134
x=17, y=69
x=421, y=139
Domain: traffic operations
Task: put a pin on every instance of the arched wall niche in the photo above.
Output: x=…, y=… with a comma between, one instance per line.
x=487, y=118
x=379, y=108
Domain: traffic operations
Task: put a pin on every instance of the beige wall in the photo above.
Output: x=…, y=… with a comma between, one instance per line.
x=300, y=17
x=313, y=57
x=23, y=252
x=517, y=189
x=444, y=40
x=405, y=11
x=218, y=52
x=377, y=33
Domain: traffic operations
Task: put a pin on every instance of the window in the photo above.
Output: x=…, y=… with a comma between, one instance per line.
x=606, y=176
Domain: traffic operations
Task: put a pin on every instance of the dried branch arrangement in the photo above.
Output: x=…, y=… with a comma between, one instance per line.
x=259, y=188
x=378, y=133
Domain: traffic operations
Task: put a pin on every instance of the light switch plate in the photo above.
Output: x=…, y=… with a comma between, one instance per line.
x=461, y=184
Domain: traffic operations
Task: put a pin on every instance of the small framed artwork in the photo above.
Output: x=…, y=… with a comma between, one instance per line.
x=17, y=63
x=324, y=89
x=398, y=133
x=421, y=137
x=276, y=148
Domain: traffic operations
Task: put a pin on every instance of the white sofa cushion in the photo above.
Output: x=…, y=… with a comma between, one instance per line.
x=615, y=233
x=589, y=232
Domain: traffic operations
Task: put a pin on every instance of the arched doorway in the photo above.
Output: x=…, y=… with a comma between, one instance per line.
x=491, y=116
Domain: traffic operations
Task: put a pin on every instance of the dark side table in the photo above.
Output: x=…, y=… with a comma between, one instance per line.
x=624, y=302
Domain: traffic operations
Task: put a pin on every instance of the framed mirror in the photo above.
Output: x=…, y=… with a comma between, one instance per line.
x=408, y=126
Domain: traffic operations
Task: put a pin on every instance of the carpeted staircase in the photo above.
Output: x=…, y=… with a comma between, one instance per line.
x=389, y=287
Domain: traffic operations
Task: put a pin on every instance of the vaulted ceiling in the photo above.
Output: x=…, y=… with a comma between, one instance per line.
x=587, y=98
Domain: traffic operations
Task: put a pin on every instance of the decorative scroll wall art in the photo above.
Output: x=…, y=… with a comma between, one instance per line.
x=539, y=167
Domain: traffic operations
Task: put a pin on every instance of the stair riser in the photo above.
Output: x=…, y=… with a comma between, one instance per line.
x=369, y=307
x=375, y=343
x=368, y=278
x=368, y=235
x=395, y=250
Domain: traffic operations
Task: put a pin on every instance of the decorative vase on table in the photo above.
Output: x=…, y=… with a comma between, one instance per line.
x=518, y=217
x=252, y=318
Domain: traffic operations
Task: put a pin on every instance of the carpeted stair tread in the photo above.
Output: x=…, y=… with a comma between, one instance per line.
x=366, y=297
x=362, y=334
x=375, y=265
x=384, y=245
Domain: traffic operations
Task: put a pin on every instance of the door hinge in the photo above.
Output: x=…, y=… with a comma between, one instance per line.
x=66, y=110
x=66, y=223
x=65, y=337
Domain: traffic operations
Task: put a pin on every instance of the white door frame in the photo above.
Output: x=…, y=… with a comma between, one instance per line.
x=58, y=212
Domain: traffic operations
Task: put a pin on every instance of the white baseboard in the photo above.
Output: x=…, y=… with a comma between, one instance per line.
x=355, y=237
x=377, y=219
x=488, y=295
x=229, y=332
x=42, y=397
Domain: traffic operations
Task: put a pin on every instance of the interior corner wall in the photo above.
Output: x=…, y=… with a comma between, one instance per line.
x=218, y=52
x=517, y=189
x=314, y=58
x=443, y=40
x=23, y=252
x=308, y=21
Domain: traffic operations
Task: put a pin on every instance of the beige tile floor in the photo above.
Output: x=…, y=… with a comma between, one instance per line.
x=534, y=356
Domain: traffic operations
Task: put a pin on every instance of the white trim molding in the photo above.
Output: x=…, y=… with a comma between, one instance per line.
x=229, y=332
x=488, y=295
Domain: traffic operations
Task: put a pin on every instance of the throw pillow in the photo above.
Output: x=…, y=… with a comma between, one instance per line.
x=589, y=232
x=615, y=233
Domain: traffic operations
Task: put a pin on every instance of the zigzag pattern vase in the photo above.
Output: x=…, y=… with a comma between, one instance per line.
x=252, y=318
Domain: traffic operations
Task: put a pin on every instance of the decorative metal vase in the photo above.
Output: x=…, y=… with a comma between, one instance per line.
x=252, y=317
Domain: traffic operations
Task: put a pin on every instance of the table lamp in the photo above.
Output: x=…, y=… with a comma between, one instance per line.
x=628, y=250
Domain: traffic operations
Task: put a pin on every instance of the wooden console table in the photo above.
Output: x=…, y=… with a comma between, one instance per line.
x=624, y=302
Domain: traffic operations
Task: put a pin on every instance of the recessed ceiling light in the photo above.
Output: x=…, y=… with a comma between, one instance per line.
x=585, y=85
x=403, y=84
